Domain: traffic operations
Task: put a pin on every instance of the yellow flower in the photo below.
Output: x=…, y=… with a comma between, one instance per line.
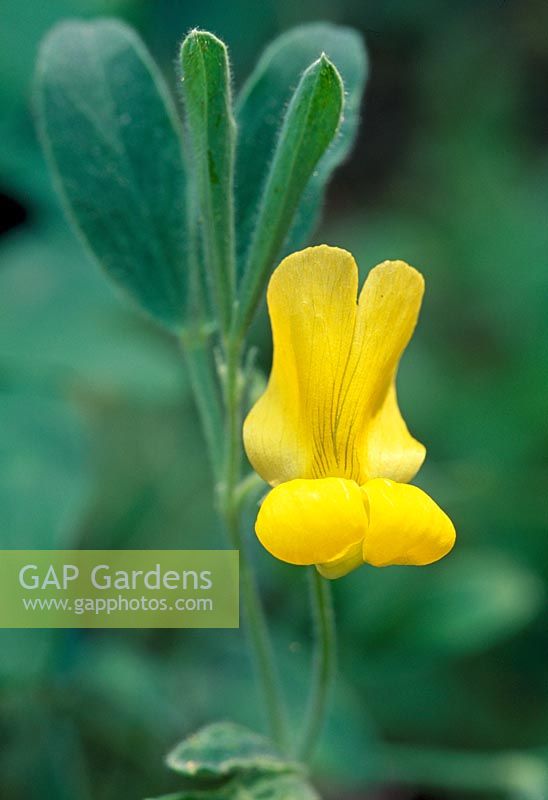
x=327, y=433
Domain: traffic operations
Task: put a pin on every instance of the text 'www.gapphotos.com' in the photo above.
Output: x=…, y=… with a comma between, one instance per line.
x=111, y=605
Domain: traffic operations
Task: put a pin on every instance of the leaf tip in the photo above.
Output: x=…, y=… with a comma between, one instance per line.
x=202, y=40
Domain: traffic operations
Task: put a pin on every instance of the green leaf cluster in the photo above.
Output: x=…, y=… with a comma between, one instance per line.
x=188, y=219
x=225, y=761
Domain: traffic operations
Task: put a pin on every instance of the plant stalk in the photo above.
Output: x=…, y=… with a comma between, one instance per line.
x=206, y=393
x=230, y=503
x=324, y=662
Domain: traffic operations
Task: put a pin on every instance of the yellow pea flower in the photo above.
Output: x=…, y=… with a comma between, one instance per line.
x=327, y=433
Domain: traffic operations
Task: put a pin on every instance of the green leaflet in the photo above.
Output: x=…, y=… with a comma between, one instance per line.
x=223, y=749
x=113, y=141
x=260, y=108
x=279, y=787
x=212, y=138
x=257, y=787
x=225, y=761
x=310, y=124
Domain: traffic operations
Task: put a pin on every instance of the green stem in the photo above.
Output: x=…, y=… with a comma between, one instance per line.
x=261, y=646
x=233, y=413
x=206, y=393
x=230, y=503
x=324, y=662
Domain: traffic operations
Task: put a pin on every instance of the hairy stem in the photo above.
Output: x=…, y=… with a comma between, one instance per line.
x=206, y=393
x=324, y=662
x=230, y=503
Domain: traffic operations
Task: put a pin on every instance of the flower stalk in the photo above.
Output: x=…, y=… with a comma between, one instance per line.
x=204, y=388
x=324, y=662
x=231, y=513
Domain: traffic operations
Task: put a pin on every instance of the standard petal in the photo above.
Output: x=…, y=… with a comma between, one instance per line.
x=389, y=306
x=391, y=450
x=312, y=521
x=291, y=431
x=334, y=361
x=406, y=526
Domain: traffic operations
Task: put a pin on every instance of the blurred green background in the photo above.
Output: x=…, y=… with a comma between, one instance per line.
x=443, y=688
